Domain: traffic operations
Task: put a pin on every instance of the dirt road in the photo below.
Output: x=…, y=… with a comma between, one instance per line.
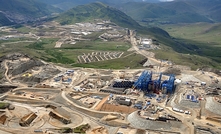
x=6, y=72
x=142, y=52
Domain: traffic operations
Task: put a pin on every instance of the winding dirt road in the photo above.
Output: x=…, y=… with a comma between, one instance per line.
x=6, y=72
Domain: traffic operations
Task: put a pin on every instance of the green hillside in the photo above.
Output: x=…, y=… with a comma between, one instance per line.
x=23, y=10
x=179, y=6
x=209, y=9
x=187, y=17
x=215, y=13
x=82, y=13
x=201, y=39
x=4, y=21
x=195, y=53
x=68, y=4
x=90, y=12
x=27, y=7
x=93, y=11
x=100, y=11
x=170, y=12
x=140, y=11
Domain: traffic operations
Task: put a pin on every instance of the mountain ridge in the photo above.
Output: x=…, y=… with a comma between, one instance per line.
x=68, y=4
x=166, y=12
x=96, y=10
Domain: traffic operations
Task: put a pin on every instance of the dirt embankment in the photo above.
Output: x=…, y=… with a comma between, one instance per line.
x=22, y=68
x=18, y=63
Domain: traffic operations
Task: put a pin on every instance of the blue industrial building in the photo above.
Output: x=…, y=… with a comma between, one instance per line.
x=146, y=84
x=169, y=84
x=157, y=83
x=143, y=81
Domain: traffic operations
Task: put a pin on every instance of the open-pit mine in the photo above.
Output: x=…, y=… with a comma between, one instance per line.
x=40, y=97
x=160, y=98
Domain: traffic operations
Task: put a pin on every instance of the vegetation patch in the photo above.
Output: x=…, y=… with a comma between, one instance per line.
x=37, y=45
x=58, y=57
x=99, y=46
x=4, y=105
x=194, y=61
x=197, y=39
x=22, y=29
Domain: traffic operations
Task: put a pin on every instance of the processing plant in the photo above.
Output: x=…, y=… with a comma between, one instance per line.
x=146, y=83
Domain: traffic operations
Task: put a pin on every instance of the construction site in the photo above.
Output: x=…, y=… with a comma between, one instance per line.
x=160, y=98
x=115, y=101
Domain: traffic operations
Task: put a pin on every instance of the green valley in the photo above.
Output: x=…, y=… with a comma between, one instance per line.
x=181, y=43
x=202, y=38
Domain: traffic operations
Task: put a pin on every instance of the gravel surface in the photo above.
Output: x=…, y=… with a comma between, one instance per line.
x=141, y=123
x=187, y=78
x=213, y=106
x=189, y=104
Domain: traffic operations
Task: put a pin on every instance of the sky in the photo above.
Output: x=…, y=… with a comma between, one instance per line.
x=166, y=0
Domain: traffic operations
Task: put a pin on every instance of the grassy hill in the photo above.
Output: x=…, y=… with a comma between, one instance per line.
x=192, y=51
x=65, y=4
x=27, y=7
x=214, y=13
x=140, y=11
x=172, y=45
x=4, y=21
x=24, y=9
x=200, y=39
x=96, y=10
x=68, y=4
x=151, y=11
x=183, y=11
x=179, y=6
x=90, y=12
x=208, y=8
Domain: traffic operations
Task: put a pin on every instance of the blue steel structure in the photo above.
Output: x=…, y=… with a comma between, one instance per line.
x=169, y=84
x=143, y=81
x=146, y=78
x=157, y=83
